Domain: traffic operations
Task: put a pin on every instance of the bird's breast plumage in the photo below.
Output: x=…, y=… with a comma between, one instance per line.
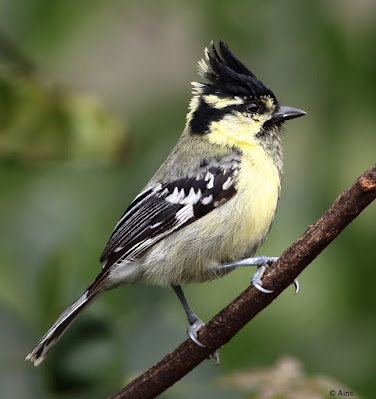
x=230, y=232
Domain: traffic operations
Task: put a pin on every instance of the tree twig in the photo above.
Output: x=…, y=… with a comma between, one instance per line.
x=249, y=303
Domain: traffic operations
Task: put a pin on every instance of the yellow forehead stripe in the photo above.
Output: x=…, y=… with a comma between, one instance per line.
x=219, y=103
x=268, y=101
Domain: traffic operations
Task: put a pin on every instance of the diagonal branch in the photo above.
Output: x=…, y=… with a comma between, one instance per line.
x=249, y=303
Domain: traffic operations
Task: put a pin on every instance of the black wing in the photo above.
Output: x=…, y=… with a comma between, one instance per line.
x=165, y=208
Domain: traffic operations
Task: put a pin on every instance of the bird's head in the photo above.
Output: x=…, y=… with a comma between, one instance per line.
x=231, y=104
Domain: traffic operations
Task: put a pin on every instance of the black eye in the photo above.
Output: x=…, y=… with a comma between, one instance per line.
x=252, y=107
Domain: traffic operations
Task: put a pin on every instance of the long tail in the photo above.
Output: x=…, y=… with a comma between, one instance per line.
x=61, y=324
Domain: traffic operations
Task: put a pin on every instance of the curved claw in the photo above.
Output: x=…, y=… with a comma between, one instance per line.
x=216, y=357
x=192, y=332
x=297, y=286
x=258, y=285
x=256, y=278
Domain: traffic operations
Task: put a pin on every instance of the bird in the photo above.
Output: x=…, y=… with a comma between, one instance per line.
x=210, y=205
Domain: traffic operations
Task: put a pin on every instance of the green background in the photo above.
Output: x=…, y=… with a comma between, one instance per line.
x=81, y=135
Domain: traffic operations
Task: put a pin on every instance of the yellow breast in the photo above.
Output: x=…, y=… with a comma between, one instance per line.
x=259, y=185
x=230, y=232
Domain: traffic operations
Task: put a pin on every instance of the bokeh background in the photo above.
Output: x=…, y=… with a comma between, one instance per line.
x=93, y=95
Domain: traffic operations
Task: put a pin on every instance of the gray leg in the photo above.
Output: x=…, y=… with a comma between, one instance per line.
x=262, y=263
x=195, y=322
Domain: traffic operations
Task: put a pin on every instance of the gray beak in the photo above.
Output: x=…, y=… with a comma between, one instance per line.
x=284, y=113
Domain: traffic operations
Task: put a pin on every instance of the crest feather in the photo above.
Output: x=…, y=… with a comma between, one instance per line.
x=225, y=75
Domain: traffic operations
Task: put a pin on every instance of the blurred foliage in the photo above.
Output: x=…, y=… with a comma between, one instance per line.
x=285, y=380
x=59, y=201
x=45, y=123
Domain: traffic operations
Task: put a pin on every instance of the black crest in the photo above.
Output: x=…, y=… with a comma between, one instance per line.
x=227, y=76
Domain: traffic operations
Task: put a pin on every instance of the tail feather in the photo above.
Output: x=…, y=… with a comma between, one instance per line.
x=61, y=324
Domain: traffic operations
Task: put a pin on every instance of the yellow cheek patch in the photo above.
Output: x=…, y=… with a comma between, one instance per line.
x=235, y=130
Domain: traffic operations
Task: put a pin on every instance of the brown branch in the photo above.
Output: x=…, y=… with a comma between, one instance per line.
x=249, y=303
